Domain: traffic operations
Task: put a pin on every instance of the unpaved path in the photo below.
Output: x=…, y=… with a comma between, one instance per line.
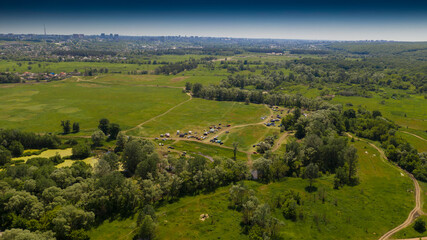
x=151, y=119
x=240, y=126
x=280, y=141
x=417, y=211
x=414, y=135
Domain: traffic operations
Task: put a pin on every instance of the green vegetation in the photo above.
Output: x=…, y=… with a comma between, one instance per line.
x=410, y=232
x=95, y=160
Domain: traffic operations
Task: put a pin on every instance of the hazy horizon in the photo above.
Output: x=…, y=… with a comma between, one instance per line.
x=306, y=20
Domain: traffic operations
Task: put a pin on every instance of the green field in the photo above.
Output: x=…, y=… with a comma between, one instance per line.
x=246, y=136
x=41, y=107
x=380, y=202
x=198, y=114
x=213, y=151
x=419, y=144
x=409, y=232
x=47, y=154
x=414, y=106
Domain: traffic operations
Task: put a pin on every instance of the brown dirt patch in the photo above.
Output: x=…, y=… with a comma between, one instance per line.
x=178, y=79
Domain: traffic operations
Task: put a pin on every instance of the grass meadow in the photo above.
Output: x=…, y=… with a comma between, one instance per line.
x=41, y=107
x=198, y=114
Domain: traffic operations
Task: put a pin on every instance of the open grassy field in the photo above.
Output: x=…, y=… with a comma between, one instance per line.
x=198, y=114
x=380, y=202
x=413, y=106
x=47, y=154
x=419, y=144
x=246, y=136
x=90, y=160
x=56, y=67
x=409, y=232
x=192, y=148
x=41, y=107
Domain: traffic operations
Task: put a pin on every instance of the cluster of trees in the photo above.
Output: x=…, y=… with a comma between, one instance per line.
x=109, y=129
x=266, y=81
x=257, y=220
x=65, y=202
x=9, y=78
x=66, y=127
x=219, y=93
x=13, y=142
x=322, y=150
x=175, y=68
x=94, y=71
x=372, y=125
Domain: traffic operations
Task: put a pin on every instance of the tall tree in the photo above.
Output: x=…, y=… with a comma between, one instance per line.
x=311, y=172
x=66, y=126
x=235, y=146
x=76, y=127
x=104, y=125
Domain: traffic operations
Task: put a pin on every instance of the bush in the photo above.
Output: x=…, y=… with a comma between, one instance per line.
x=81, y=151
x=16, y=149
x=420, y=225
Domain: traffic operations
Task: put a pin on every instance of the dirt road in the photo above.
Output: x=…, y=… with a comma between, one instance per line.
x=414, y=135
x=417, y=211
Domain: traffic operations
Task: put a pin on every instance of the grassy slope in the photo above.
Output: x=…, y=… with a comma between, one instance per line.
x=379, y=203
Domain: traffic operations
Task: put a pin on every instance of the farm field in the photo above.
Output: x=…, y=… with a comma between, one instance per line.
x=366, y=211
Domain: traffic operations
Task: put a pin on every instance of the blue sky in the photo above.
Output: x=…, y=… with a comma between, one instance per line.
x=307, y=19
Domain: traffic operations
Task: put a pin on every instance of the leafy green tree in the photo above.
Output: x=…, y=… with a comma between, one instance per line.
x=134, y=153
x=114, y=130
x=112, y=159
x=66, y=126
x=148, y=166
x=98, y=137
x=311, y=172
x=188, y=86
x=76, y=127
x=350, y=157
x=16, y=149
x=147, y=229
x=235, y=148
x=120, y=143
x=20, y=234
x=104, y=125
x=420, y=225
x=81, y=151
x=376, y=113
x=5, y=156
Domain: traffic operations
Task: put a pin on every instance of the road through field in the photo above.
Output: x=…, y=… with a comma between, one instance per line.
x=151, y=119
x=417, y=211
x=414, y=135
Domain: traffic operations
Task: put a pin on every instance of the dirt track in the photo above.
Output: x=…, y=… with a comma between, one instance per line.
x=414, y=135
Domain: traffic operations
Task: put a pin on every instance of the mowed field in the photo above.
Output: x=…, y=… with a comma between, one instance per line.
x=380, y=202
